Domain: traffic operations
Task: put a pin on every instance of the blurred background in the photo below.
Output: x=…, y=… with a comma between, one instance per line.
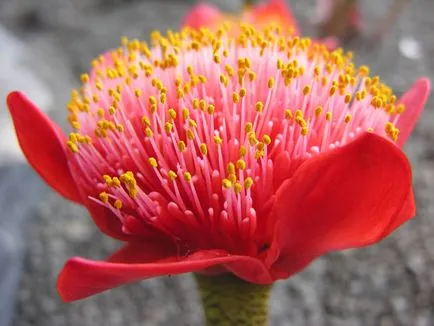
x=44, y=47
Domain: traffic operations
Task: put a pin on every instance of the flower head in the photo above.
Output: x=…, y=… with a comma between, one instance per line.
x=252, y=155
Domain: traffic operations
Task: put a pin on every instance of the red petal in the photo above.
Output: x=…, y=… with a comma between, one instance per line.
x=81, y=278
x=274, y=11
x=349, y=197
x=414, y=100
x=43, y=145
x=203, y=15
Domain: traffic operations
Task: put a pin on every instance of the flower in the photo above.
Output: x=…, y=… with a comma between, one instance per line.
x=260, y=15
x=205, y=153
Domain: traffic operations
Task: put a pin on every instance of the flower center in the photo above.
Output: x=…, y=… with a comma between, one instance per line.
x=192, y=136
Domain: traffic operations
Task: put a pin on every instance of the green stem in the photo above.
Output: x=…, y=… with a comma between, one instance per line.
x=230, y=301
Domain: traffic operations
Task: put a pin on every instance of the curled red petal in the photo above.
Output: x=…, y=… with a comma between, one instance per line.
x=43, y=145
x=81, y=278
x=202, y=15
x=414, y=100
x=349, y=197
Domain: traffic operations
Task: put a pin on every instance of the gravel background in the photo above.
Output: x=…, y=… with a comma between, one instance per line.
x=388, y=284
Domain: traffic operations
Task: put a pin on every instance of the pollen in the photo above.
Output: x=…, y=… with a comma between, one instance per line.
x=203, y=149
x=226, y=183
x=117, y=204
x=172, y=175
x=104, y=197
x=187, y=176
x=248, y=183
x=152, y=162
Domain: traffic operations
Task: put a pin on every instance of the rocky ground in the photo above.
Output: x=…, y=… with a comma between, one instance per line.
x=46, y=44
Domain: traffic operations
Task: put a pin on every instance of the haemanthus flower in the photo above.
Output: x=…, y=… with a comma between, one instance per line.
x=205, y=153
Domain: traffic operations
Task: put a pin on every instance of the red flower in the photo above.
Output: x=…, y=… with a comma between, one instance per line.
x=210, y=154
x=260, y=15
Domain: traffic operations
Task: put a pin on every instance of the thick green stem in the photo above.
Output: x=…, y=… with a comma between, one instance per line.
x=230, y=301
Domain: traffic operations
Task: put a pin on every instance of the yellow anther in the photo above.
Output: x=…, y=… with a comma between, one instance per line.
x=100, y=112
x=103, y=196
x=168, y=127
x=152, y=162
x=185, y=113
x=348, y=118
x=266, y=139
x=259, y=154
x=231, y=168
x=146, y=121
x=232, y=177
x=115, y=182
x=260, y=146
x=195, y=103
x=84, y=78
x=120, y=128
x=400, y=108
x=332, y=90
x=181, y=146
x=190, y=134
x=248, y=127
x=243, y=150
x=318, y=110
x=187, y=176
x=202, y=105
x=180, y=92
x=329, y=116
x=226, y=183
x=152, y=100
x=192, y=123
x=252, y=138
x=306, y=90
x=148, y=132
x=117, y=204
x=288, y=114
x=211, y=109
x=217, y=58
x=304, y=131
x=243, y=92
x=347, y=98
x=203, y=148
x=271, y=82
x=171, y=175
x=259, y=106
x=251, y=75
x=137, y=92
x=238, y=187
x=218, y=140
x=75, y=125
x=241, y=164
x=248, y=183
x=107, y=179
x=235, y=97
x=223, y=79
x=72, y=146
x=279, y=63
